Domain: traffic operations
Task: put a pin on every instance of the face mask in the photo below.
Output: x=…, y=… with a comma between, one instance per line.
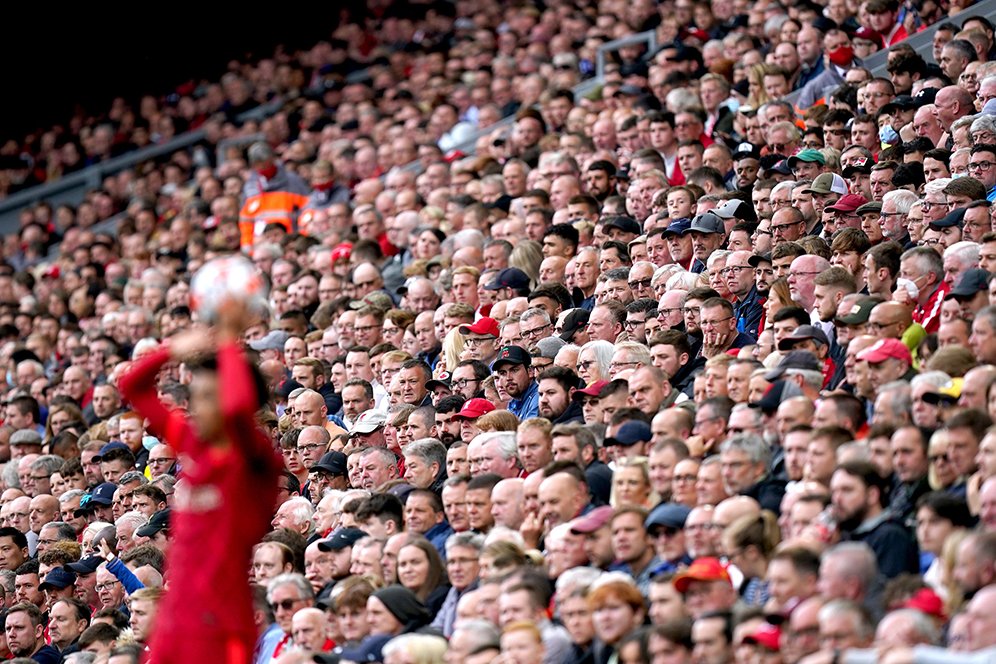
x=953, y=175
x=910, y=286
x=841, y=56
x=148, y=442
x=888, y=136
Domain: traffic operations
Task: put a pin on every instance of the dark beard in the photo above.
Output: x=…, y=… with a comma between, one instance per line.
x=853, y=521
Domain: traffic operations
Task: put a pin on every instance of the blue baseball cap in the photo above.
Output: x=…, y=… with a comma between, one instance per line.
x=630, y=434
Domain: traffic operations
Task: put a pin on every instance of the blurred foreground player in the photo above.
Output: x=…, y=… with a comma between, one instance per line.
x=230, y=471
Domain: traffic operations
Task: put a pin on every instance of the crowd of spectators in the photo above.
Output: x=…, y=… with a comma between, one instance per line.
x=679, y=371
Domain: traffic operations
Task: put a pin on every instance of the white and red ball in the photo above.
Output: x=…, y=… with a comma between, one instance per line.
x=221, y=279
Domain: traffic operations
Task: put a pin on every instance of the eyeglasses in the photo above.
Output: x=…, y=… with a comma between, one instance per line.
x=464, y=382
x=476, y=341
x=642, y=283
x=100, y=587
x=782, y=227
x=714, y=323
x=162, y=460
x=927, y=205
x=779, y=147
x=980, y=165
x=285, y=604
x=802, y=274
x=535, y=332
x=666, y=311
x=781, y=204
x=460, y=561
x=935, y=458
x=365, y=328
x=631, y=324
x=684, y=478
x=733, y=269
x=886, y=215
x=307, y=449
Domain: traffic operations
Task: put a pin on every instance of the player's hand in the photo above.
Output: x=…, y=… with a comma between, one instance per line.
x=191, y=343
x=233, y=318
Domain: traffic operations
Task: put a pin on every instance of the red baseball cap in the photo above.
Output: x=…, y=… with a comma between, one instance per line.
x=591, y=390
x=474, y=408
x=483, y=325
x=342, y=251
x=885, y=349
x=927, y=601
x=766, y=635
x=592, y=521
x=702, y=569
x=849, y=203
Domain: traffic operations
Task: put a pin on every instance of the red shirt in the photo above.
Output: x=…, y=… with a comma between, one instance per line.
x=206, y=614
x=929, y=315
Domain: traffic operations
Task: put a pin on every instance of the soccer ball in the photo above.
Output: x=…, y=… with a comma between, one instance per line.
x=223, y=278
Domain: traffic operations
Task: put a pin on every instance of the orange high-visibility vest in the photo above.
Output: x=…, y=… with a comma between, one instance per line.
x=269, y=207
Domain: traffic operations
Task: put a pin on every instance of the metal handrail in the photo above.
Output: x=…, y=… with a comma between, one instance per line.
x=70, y=188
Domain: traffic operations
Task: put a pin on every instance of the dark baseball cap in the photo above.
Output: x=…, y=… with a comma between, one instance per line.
x=158, y=523
x=341, y=538
x=574, y=321
x=623, y=223
x=678, y=226
x=58, y=578
x=802, y=333
x=510, y=277
x=707, y=222
x=102, y=494
x=110, y=447
x=797, y=359
x=971, y=282
x=860, y=311
x=333, y=463
x=630, y=434
x=512, y=355
x=86, y=564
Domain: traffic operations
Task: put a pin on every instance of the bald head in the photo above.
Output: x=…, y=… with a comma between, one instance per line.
x=734, y=508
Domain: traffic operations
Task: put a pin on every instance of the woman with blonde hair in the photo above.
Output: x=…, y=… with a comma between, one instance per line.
x=415, y=649
x=527, y=256
x=453, y=345
x=748, y=543
x=631, y=484
x=499, y=558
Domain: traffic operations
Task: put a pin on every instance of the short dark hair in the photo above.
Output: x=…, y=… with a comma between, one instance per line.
x=384, y=506
x=567, y=378
x=869, y=475
x=20, y=541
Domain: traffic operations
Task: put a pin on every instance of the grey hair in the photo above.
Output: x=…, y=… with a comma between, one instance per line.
x=902, y=401
x=936, y=379
x=903, y=199
x=428, y=449
x=49, y=463
x=984, y=123
x=966, y=252
x=467, y=539
x=755, y=412
x=577, y=577
x=859, y=558
x=421, y=645
x=302, y=585
x=535, y=312
x=788, y=184
x=67, y=532
x=936, y=186
x=132, y=476
x=839, y=607
x=922, y=626
x=483, y=634
x=301, y=509
x=135, y=519
x=812, y=378
x=72, y=493
x=603, y=351
x=505, y=440
x=753, y=445
x=639, y=351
